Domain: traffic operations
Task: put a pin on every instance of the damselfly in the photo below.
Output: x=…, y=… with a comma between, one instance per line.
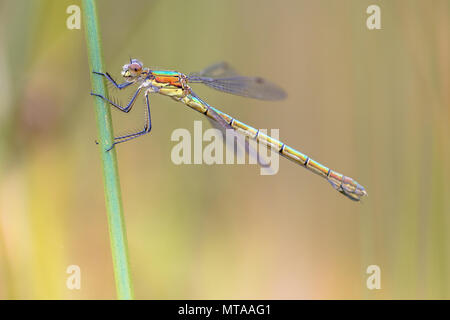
x=220, y=77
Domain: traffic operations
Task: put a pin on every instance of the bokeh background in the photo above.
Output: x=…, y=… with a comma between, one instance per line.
x=373, y=105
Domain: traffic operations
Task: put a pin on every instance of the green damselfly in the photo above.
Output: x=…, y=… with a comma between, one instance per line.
x=220, y=77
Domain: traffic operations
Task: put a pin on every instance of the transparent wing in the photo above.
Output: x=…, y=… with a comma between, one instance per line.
x=223, y=125
x=214, y=114
x=218, y=70
x=245, y=146
x=222, y=77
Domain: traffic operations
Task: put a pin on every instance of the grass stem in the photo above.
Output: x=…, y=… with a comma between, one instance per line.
x=116, y=223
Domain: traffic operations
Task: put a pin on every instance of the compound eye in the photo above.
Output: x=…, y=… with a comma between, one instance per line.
x=135, y=67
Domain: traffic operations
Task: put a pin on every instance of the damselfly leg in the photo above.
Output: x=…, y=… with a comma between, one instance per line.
x=119, y=86
x=148, y=123
x=147, y=127
x=115, y=104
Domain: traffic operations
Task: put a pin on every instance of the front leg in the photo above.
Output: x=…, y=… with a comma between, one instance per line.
x=123, y=109
x=147, y=127
x=110, y=79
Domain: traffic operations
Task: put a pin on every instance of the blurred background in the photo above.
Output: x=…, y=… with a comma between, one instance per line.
x=371, y=104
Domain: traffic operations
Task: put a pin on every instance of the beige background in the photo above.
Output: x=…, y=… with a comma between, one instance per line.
x=373, y=105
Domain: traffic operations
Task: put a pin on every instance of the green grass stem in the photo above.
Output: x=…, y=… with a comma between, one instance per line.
x=116, y=223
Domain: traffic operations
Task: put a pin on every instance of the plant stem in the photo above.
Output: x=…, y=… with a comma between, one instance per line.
x=116, y=223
